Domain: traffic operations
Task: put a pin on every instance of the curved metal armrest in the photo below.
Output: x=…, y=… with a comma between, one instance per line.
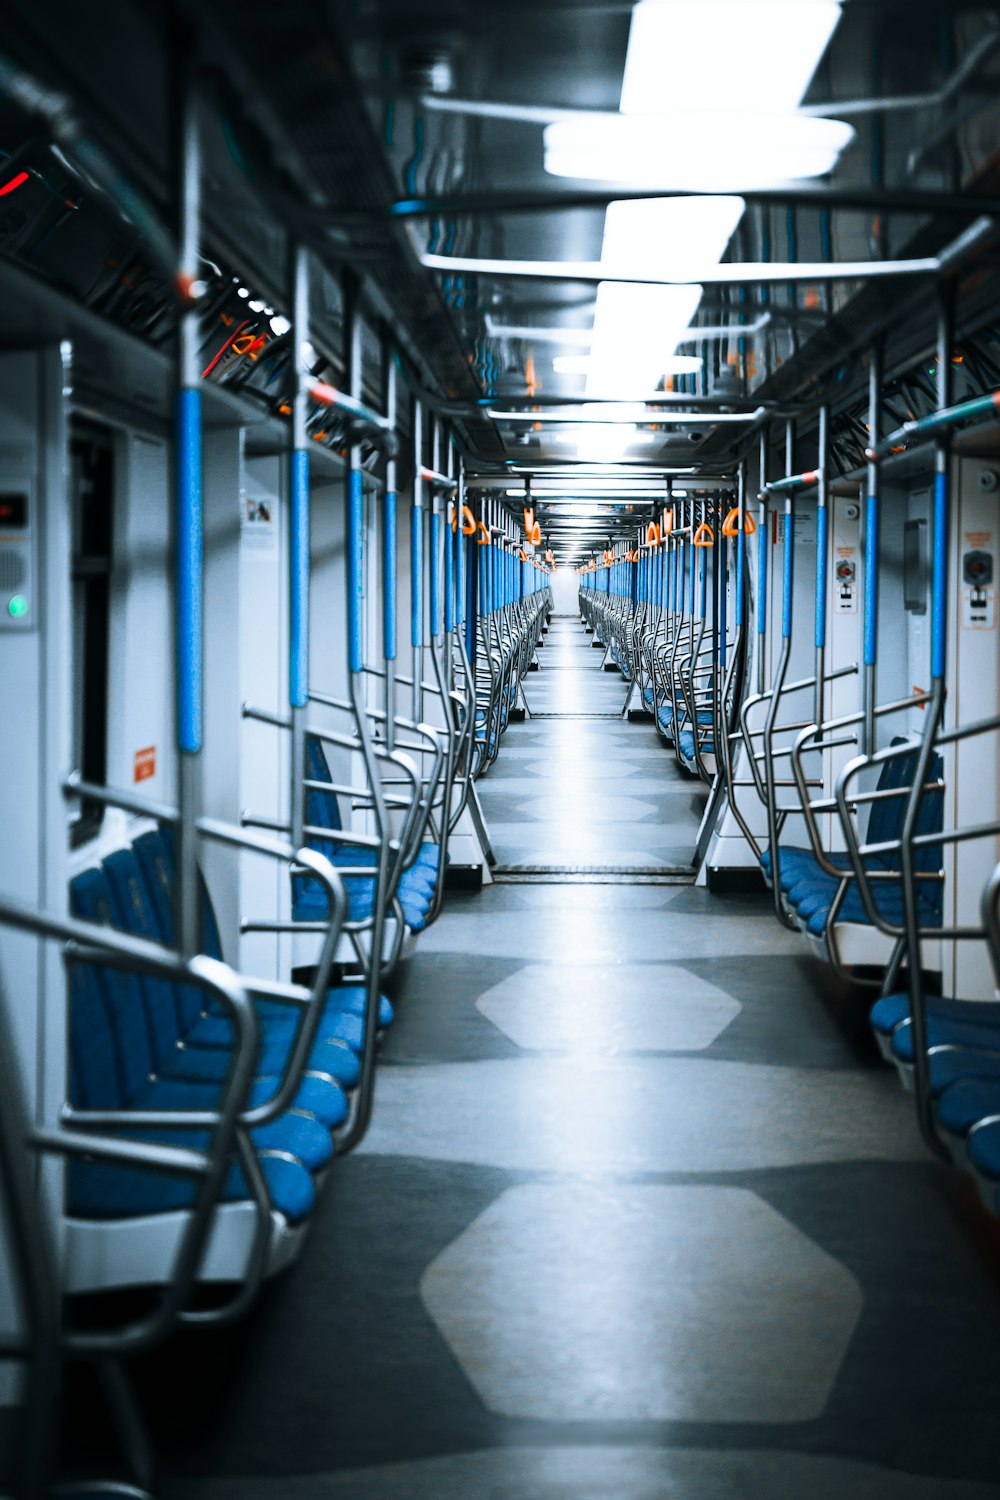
x=92, y=942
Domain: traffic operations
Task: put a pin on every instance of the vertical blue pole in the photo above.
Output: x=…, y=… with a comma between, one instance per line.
x=762, y=573
x=821, y=579
x=190, y=567
x=450, y=539
x=722, y=596
x=741, y=552
x=298, y=674
x=389, y=574
x=417, y=579
x=435, y=571
x=939, y=570
x=355, y=569
x=871, y=579
x=788, y=569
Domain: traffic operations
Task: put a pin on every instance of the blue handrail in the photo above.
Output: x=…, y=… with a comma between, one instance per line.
x=435, y=574
x=389, y=570
x=822, y=522
x=871, y=580
x=788, y=574
x=298, y=676
x=189, y=564
x=355, y=569
x=417, y=578
x=939, y=574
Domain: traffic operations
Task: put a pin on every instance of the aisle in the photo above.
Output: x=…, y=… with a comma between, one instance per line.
x=639, y=1216
x=575, y=788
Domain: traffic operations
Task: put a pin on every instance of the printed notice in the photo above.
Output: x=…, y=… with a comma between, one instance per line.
x=257, y=529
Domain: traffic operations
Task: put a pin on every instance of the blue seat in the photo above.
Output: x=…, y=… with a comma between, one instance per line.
x=968, y=1022
x=888, y=896
x=969, y=1100
x=811, y=890
x=142, y=880
x=98, y=1190
x=309, y=903
x=165, y=1011
x=799, y=864
x=122, y=1028
x=884, y=822
x=685, y=743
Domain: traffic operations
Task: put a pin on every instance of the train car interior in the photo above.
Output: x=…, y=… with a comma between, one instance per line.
x=500, y=856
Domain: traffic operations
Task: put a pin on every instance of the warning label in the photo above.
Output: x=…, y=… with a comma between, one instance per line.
x=145, y=764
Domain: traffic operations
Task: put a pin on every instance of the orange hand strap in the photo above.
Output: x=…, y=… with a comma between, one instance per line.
x=731, y=525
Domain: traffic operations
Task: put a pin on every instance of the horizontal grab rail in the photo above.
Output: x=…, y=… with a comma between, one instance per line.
x=938, y=421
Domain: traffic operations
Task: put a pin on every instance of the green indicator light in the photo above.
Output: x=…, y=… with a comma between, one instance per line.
x=17, y=607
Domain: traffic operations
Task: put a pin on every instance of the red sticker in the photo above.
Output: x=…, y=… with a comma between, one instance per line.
x=145, y=764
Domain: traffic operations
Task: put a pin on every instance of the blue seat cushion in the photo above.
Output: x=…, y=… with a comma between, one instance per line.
x=889, y=900
x=296, y=1133
x=415, y=900
x=97, y=1190
x=966, y=1100
x=685, y=742
x=352, y=1000
x=798, y=864
x=309, y=902
x=318, y=1093
x=984, y=1143
x=888, y=1012
x=333, y=1050
x=947, y=1025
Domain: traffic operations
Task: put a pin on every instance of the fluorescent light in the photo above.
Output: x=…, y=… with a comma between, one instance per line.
x=571, y=364
x=636, y=327
x=769, y=47
x=664, y=136
x=673, y=364
x=607, y=442
x=624, y=414
x=710, y=152
x=668, y=238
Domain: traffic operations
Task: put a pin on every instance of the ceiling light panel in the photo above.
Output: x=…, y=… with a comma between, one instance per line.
x=636, y=330
x=770, y=48
x=715, y=152
x=668, y=237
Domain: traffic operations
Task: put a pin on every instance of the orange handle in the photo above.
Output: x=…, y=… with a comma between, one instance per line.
x=468, y=522
x=483, y=540
x=704, y=536
x=653, y=535
x=535, y=536
x=668, y=522
x=731, y=527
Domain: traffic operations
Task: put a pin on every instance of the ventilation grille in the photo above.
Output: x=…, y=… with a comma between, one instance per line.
x=11, y=568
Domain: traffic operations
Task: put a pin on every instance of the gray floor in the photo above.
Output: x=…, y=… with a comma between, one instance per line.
x=569, y=782
x=640, y=1214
